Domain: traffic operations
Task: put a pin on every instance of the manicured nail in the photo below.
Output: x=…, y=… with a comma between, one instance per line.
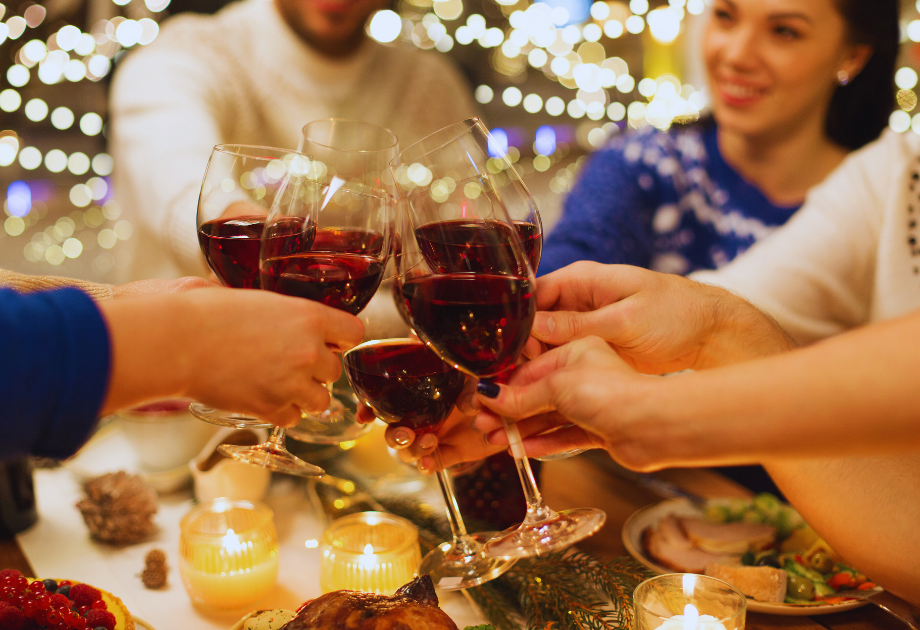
x=403, y=437
x=429, y=440
x=423, y=465
x=488, y=389
x=543, y=326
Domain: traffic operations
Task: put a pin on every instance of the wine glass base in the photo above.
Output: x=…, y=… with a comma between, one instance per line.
x=272, y=458
x=336, y=424
x=451, y=571
x=536, y=539
x=225, y=418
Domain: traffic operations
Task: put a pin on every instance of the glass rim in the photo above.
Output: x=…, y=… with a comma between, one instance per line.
x=404, y=341
x=361, y=518
x=466, y=123
x=722, y=583
x=256, y=507
x=351, y=122
x=235, y=149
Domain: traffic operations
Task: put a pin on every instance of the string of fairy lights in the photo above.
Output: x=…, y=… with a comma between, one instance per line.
x=567, y=42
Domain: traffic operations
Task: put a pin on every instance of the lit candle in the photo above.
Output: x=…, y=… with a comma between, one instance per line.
x=692, y=620
x=370, y=551
x=688, y=602
x=228, y=553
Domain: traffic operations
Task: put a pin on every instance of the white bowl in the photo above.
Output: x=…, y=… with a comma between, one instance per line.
x=218, y=476
x=164, y=434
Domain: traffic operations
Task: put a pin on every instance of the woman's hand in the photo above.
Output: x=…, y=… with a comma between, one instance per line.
x=658, y=323
x=155, y=286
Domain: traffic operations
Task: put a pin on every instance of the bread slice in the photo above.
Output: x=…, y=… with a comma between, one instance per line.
x=765, y=584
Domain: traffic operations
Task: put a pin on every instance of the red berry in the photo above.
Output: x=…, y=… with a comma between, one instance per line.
x=29, y=608
x=8, y=575
x=41, y=617
x=104, y=618
x=84, y=594
x=54, y=617
x=43, y=601
x=59, y=601
x=11, y=618
x=36, y=587
x=99, y=604
x=20, y=582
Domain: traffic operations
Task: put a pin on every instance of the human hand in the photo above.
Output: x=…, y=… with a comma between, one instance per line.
x=579, y=395
x=658, y=323
x=157, y=286
x=271, y=371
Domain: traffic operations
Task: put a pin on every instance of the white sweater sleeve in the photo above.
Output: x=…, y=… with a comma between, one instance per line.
x=165, y=113
x=815, y=274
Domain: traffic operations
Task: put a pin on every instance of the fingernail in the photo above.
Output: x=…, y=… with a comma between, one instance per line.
x=403, y=437
x=488, y=389
x=543, y=326
x=429, y=440
x=423, y=465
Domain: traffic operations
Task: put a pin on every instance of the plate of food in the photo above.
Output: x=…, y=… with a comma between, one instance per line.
x=761, y=546
x=414, y=605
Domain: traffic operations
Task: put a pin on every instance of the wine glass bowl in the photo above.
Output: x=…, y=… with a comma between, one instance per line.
x=467, y=284
x=406, y=384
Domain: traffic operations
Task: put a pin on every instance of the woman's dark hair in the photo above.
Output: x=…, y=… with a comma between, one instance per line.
x=859, y=111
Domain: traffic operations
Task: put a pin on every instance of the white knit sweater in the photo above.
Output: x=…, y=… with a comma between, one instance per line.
x=243, y=76
x=850, y=256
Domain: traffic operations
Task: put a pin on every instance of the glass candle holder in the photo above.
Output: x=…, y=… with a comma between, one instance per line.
x=228, y=553
x=369, y=551
x=685, y=601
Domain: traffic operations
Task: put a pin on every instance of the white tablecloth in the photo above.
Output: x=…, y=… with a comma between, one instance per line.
x=59, y=546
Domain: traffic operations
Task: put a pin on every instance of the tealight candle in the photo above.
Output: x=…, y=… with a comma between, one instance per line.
x=370, y=551
x=228, y=553
x=684, y=601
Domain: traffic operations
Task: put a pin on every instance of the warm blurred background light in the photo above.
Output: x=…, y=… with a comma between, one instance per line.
x=556, y=79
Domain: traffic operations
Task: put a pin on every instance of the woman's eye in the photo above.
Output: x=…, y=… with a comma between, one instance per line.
x=722, y=15
x=786, y=32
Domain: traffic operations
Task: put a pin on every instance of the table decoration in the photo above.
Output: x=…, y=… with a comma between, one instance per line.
x=155, y=571
x=686, y=601
x=567, y=590
x=118, y=508
x=228, y=553
x=369, y=551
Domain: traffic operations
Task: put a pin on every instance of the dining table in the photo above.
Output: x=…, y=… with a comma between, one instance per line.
x=59, y=542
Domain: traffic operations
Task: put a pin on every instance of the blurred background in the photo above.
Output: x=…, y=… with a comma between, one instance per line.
x=555, y=79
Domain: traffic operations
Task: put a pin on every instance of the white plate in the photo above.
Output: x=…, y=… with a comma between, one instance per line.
x=110, y=451
x=650, y=515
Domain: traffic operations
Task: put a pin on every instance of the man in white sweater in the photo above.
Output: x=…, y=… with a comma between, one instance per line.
x=254, y=73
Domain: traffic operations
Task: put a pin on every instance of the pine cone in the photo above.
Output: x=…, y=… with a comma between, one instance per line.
x=118, y=508
x=154, y=577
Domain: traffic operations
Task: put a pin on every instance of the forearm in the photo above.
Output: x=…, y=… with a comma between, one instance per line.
x=25, y=283
x=152, y=342
x=867, y=509
x=826, y=400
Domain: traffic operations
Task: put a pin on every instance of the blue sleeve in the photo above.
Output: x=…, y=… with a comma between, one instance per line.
x=604, y=218
x=54, y=371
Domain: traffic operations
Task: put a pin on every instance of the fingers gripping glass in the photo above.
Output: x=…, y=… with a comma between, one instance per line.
x=465, y=276
x=407, y=384
x=352, y=243
x=241, y=187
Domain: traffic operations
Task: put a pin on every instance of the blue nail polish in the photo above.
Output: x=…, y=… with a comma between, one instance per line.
x=488, y=389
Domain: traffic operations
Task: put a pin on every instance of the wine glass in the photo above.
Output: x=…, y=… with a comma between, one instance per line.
x=240, y=186
x=351, y=162
x=468, y=289
x=407, y=384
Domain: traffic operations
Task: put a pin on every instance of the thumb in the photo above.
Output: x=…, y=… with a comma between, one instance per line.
x=558, y=327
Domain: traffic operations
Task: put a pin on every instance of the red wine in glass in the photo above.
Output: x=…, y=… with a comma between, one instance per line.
x=476, y=246
x=231, y=246
x=349, y=241
x=480, y=322
x=343, y=281
x=404, y=383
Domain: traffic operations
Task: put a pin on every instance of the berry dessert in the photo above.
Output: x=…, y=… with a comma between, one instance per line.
x=29, y=604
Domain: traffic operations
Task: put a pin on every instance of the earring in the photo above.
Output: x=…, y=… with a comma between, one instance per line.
x=843, y=78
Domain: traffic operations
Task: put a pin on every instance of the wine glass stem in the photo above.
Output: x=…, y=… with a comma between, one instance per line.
x=276, y=439
x=537, y=510
x=463, y=543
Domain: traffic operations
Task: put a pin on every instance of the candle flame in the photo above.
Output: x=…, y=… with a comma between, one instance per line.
x=689, y=581
x=691, y=616
x=368, y=549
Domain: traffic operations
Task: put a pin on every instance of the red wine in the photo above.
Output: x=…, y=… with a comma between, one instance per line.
x=405, y=383
x=287, y=236
x=231, y=246
x=477, y=246
x=349, y=241
x=343, y=281
x=479, y=322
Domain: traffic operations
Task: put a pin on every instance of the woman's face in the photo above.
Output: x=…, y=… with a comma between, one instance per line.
x=773, y=64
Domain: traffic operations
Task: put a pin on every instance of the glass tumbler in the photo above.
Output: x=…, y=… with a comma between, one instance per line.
x=682, y=601
x=228, y=553
x=369, y=551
